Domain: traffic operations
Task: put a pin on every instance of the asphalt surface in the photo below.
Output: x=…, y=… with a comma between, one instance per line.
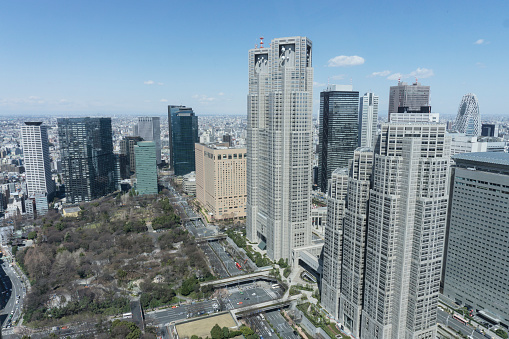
x=261, y=327
x=250, y=295
x=446, y=319
x=228, y=262
x=166, y=316
x=280, y=324
x=13, y=299
x=214, y=261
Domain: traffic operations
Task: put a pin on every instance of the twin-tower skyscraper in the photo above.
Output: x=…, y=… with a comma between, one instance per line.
x=279, y=145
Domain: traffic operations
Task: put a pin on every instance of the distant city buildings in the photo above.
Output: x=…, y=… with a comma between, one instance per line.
x=88, y=162
x=411, y=98
x=368, y=120
x=183, y=134
x=279, y=145
x=37, y=162
x=149, y=128
x=221, y=180
x=468, y=120
x=339, y=127
x=477, y=260
x=145, y=153
x=489, y=130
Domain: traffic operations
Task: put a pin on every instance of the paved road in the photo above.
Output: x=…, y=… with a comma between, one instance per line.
x=166, y=316
x=280, y=324
x=215, y=262
x=249, y=295
x=15, y=302
x=447, y=320
x=228, y=262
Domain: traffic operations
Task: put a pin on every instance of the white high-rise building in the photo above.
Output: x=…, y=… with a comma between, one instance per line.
x=368, y=120
x=406, y=232
x=332, y=248
x=468, y=120
x=34, y=140
x=354, y=240
x=149, y=128
x=279, y=145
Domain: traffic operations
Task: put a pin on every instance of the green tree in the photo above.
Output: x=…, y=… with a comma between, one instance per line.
x=216, y=332
x=32, y=235
x=501, y=333
x=226, y=332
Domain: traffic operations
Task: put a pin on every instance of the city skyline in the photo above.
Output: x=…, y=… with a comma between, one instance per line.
x=82, y=59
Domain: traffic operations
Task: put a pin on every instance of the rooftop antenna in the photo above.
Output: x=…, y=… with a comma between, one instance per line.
x=399, y=79
x=351, y=82
x=261, y=42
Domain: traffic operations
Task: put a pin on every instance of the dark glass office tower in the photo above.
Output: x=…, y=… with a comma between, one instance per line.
x=183, y=128
x=88, y=163
x=339, y=124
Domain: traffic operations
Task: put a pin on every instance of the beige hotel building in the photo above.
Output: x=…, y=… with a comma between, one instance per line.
x=221, y=180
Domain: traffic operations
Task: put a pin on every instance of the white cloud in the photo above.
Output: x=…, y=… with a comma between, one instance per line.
x=480, y=65
x=338, y=77
x=164, y=100
x=395, y=76
x=160, y=83
x=418, y=73
x=479, y=42
x=148, y=82
x=203, y=98
x=318, y=84
x=380, y=74
x=345, y=60
x=220, y=93
x=421, y=73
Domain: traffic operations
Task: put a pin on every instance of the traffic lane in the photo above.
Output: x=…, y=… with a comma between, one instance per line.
x=447, y=320
x=214, y=261
x=262, y=327
x=249, y=297
x=173, y=314
x=280, y=324
x=228, y=262
x=12, y=308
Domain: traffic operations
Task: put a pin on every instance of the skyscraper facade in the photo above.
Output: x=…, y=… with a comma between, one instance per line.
x=279, y=145
x=34, y=141
x=406, y=232
x=183, y=135
x=332, y=248
x=468, y=120
x=145, y=153
x=149, y=128
x=88, y=162
x=368, y=120
x=221, y=180
x=477, y=261
x=412, y=97
x=354, y=240
x=127, y=158
x=338, y=133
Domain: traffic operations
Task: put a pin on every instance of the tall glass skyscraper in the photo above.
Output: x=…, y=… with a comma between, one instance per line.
x=88, y=162
x=183, y=134
x=146, y=167
x=338, y=133
x=468, y=120
x=279, y=146
x=149, y=128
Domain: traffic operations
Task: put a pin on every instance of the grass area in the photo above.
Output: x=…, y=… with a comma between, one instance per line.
x=201, y=328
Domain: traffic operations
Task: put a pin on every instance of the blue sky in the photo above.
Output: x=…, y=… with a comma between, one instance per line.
x=136, y=57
